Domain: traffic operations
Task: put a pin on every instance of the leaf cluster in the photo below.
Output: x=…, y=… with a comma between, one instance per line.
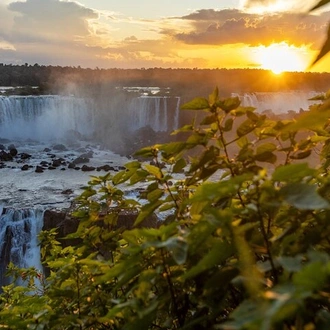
x=243, y=240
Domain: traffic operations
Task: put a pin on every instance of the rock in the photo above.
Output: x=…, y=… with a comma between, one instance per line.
x=88, y=154
x=39, y=169
x=60, y=147
x=51, y=168
x=13, y=152
x=71, y=165
x=25, y=167
x=6, y=157
x=47, y=150
x=86, y=168
x=81, y=160
x=11, y=146
x=2, y=147
x=67, y=192
x=106, y=168
x=24, y=155
x=57, y=162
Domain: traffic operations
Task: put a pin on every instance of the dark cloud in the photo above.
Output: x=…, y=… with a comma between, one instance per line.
x=213, y=27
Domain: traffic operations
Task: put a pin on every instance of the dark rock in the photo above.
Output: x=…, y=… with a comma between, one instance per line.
x=57, y=162
x=24, y=155
x=6, y=157
x=88, y=154
x=13, y=152
x=106, y=168
x=81, y=160
x=60, y=147
x=2, y=147
x=47, y=150
x=25, y=167
x=63, y=169
x=71, y=165
x=51, y=168
x=39, y=169
x=67, y=192
x=11, y=146
x=44, y=163
x=86, y=168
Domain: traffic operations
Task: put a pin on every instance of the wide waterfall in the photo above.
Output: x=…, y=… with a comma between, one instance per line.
x=278, y=102
x=18, y=239
x=44, y=118
x=55, y=118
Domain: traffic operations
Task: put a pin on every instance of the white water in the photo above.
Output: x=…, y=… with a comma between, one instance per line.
x=18, y=239
x=58, y=118
x=278, y=102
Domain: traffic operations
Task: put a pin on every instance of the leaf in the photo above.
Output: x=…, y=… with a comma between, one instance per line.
x=266, y=147
x=320, y=4
x=293, y=172
x=214, y=96
x=198, y=103
x=179, y=165
x=267, y=157
x=303, y=197
x=229, y=104
x=209, y=120
x=178, y=248
x=228, y=124
x=154, y=170
x=219, y=252
x=245, y=128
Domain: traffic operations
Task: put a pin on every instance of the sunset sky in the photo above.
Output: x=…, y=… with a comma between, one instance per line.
x=270, y=34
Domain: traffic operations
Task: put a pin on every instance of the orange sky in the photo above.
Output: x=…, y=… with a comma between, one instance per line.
x=273, y=34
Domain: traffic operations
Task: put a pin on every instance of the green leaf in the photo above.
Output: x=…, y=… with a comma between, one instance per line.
x=303, y=197
x=245, y=128
x=293, y=172
x=209, y=120
x=229, y=104
x=214, y=96
x=219, y=252
x=154, y=170
x=228, y=124
x=179, y=165
x=266, y=147
x=267, y=157
x=178, y=248
x=198, y=103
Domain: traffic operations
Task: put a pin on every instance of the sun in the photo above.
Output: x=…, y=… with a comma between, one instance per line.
x=280, y=57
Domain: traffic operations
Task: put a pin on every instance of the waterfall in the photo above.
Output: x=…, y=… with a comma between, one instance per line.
x=44, y=118
x=278, y=102
x=19, y=230
x=156, y=112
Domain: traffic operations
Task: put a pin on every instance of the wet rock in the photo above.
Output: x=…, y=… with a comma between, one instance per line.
x=57, y=162
x=24, y=155
x=5, y=156
x=71, y=165
x=39, y=169
x=86, y=168
x=81, y=160
x=47, y=150
x=60, y=147
x=25, y=167
x=67, y=192
x=11, y=146
x=13, y=152
x=2, y=147
x=106, y=168
x=51, y=168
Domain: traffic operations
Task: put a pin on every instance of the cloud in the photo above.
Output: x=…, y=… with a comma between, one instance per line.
x=50, y=20
x=222, y=27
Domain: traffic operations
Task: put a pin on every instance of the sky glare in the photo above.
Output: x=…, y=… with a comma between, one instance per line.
x=270, y=34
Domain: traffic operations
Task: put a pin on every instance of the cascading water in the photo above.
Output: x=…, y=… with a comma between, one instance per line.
x=44, y=118
x=153, y=111
x=278, y=102
x=19, y=230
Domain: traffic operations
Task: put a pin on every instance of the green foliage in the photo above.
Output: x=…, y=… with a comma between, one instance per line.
x=243, y=242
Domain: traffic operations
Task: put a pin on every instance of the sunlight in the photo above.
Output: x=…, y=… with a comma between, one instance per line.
x=281, y=57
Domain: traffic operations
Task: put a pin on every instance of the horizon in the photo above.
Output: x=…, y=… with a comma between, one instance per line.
x=276, y=35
